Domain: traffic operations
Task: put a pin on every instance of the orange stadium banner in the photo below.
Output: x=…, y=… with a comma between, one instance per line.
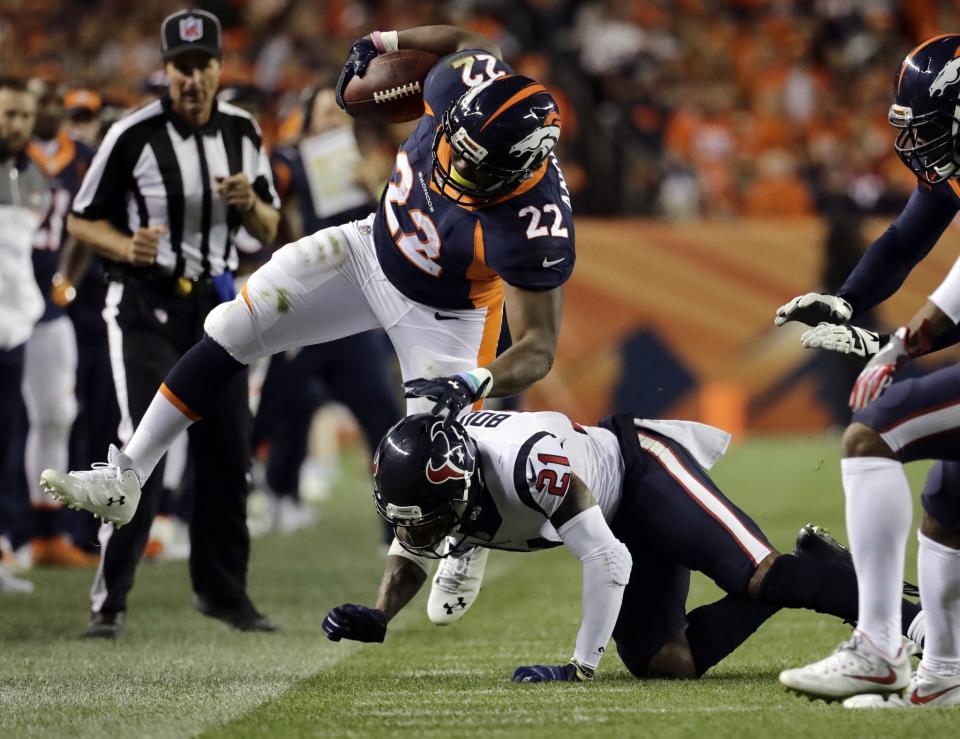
x=676, y=320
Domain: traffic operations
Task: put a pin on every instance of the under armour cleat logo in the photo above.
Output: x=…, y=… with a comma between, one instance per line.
x=461, y=603
x=111, y=500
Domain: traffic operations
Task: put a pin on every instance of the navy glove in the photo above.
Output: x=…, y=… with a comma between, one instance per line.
x=569, y=672
x=362, y=51
x=452, y=394
x=358, y=623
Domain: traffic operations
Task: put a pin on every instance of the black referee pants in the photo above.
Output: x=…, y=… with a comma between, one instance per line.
x=151, y=326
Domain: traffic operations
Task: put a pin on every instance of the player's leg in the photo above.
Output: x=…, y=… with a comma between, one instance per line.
x=686, y=516
x=913, y=419
x=309, y=292
x=937, y=681
x=49, y=380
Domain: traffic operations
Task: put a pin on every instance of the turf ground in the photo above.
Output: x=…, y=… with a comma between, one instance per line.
x=179, y=674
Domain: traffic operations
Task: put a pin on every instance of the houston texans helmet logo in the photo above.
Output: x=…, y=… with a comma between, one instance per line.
x=451, y=459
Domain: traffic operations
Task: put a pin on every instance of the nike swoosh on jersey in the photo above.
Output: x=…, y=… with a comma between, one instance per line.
x=918, y=699
x=441, y=317
x=551, y=262
x=888, y=679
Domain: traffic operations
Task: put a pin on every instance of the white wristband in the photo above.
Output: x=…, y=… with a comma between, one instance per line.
x=385, y=41
x=484, y=378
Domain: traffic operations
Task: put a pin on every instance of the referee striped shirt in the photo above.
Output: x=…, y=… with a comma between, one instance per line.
x=153, y=169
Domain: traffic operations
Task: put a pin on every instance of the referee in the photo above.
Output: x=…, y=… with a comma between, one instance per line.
x=162, y=202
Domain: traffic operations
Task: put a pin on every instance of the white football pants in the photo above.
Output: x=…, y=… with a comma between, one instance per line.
x=329, y=285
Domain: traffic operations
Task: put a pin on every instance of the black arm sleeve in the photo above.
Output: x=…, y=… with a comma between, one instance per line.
x=886, y=264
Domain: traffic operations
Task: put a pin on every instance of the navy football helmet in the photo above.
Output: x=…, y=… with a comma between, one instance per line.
x=504, y=129
x=426, y=482
x=925, y=108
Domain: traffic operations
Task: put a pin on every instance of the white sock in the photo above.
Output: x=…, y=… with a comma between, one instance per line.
x=879, y=512
x=939, y=568
x=158, y=429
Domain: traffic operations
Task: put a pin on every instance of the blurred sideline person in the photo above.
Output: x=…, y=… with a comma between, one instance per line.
x=168, y=189
x=914, y=419
x=50, y=369
x=24, y=200
x=315, y=178
x=631, y=499
x=455, y=237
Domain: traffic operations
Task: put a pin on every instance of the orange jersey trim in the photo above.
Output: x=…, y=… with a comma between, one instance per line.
x=428, y=110
x=445, y=154
x=486, y=291
x=246, y=297
x=178, y=404
x=515, y=98
x=58, y=162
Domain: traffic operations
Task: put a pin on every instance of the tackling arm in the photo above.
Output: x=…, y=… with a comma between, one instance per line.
x=606, y=572
x=404, y=575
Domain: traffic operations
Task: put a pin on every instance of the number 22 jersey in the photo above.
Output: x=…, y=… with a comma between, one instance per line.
x=452, y=256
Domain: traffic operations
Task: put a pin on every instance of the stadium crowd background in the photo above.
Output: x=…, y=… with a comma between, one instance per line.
x=675, y=108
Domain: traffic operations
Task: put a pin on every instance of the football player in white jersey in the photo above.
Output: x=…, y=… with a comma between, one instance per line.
x=630, y=498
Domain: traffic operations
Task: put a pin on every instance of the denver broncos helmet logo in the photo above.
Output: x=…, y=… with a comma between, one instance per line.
x=949, y=75
x=537, y=144
x=450, y=459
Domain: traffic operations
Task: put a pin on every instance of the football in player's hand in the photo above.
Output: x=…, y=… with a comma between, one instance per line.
x=391, y=90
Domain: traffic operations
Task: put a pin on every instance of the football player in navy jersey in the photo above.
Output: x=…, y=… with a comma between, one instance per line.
x=630, y=498
x=914, y=419
x=50, y=372
x=475, y=216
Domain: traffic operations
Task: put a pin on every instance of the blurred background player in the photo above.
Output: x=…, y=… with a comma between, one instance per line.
x=168, y=189
x=50, y=369
x=24, y=201
x=316, y=176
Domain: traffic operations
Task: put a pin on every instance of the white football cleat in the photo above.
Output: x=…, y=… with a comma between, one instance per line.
x=925, y=689
x=456, y=585
x=853, y=669
x=110, y=490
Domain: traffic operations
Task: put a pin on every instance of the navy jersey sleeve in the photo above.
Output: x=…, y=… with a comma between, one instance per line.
x=529, y=239
x=886, y=264
x=456, y=73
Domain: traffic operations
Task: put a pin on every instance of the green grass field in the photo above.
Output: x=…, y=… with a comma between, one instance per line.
x=179, y=674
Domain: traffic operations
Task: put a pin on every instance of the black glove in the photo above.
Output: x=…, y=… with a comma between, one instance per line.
x=570, y=672
x=452, y=394
x=358, y=623
x=362, y=51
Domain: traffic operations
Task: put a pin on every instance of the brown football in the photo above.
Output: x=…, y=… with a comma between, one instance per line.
x=391, y=90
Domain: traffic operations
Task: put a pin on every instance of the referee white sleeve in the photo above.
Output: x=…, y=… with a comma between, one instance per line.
x=606, y=572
